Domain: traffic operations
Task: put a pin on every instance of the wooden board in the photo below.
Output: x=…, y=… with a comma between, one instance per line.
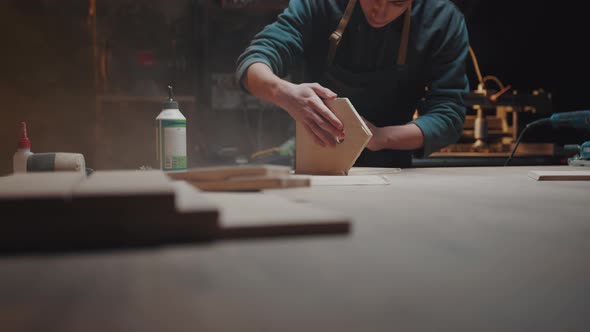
x=246, y=215
x=253, y=183
x=568, y=175
x=117, y=209
x=132, y=208
x=33, y=207
x=62, y=211
x=196, y=217
x=240, y=178
x=126, y=183
x=311, y=158
x=350, y=180
x=218, y=173
x=373, y=171
x=38, y=186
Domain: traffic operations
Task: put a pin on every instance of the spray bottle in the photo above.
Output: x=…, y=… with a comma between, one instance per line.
x=19, y=160
x=171, y=136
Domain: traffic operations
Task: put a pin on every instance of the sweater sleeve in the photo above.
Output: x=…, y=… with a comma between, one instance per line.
x=441, y=119
x=279, y=43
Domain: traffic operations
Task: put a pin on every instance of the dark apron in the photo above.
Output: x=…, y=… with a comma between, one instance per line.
x=375, y=95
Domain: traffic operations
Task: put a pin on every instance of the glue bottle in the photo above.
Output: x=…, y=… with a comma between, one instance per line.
x=171, y=136
x=19, y=160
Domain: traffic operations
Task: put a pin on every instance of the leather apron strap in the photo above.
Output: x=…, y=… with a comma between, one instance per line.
x=403, y=45
x=336, y=36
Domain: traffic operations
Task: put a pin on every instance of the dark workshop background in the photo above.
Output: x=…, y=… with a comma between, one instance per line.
x=92, y=82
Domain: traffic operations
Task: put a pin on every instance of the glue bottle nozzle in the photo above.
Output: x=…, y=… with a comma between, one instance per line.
x=170, y=93
x=23, y=141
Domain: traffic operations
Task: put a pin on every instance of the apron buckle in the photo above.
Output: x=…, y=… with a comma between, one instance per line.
x=335, y=36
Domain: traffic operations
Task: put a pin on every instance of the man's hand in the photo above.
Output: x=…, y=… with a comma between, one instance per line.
x=304, y=103
x=379, y=139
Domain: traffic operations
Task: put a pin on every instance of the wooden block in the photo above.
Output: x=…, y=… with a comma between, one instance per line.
x=131, y=197
x=311, y=158
x=570, y=175
x=137, y=208
x=218, y=173
x=129, y=208
x=61, y=211
x=252, y=183
x=43, y=196
x=246, y=215
x=114, y=209
x=196, y=218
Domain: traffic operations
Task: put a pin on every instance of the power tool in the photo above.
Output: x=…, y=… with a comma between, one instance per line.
x=582, y=158
x=575, y=120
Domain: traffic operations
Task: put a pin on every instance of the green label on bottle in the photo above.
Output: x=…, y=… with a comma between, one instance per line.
x=174, y=123
x=173, y=138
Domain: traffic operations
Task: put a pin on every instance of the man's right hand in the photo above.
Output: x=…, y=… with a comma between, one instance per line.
x=304, y=103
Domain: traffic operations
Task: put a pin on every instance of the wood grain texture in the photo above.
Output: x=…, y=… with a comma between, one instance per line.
x=311, y=158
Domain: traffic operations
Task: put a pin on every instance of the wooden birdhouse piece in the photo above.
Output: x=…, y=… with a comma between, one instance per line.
x=311, y=158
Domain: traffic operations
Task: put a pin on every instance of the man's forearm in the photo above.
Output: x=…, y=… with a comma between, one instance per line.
x=263, y=83
x=404, y=137
x=303, y=102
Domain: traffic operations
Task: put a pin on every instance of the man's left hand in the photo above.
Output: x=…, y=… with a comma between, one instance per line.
x=379, y=139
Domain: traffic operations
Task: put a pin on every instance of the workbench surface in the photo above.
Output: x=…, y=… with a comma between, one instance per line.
x=439, y=249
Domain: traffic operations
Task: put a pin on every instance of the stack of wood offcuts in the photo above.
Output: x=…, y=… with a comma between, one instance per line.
x=57, y=211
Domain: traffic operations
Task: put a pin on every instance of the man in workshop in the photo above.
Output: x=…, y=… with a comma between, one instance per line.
x=391, y=58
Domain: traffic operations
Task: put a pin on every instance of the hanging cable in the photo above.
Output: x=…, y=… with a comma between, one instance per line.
x=476, y=66
x=495, y=79
x=532, y=124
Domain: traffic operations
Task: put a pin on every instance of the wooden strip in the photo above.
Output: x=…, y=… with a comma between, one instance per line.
x=252, y=183
x=573, y=175
x=350, y=180
x=218, y=173
x=373, y=171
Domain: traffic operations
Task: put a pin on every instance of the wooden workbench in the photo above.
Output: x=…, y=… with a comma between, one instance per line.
x=440, y=249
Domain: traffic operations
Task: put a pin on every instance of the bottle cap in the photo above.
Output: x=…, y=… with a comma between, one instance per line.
x=23, y=141
x=170, y=103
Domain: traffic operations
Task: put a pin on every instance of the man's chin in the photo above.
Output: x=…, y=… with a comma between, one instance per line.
x=377, y=25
